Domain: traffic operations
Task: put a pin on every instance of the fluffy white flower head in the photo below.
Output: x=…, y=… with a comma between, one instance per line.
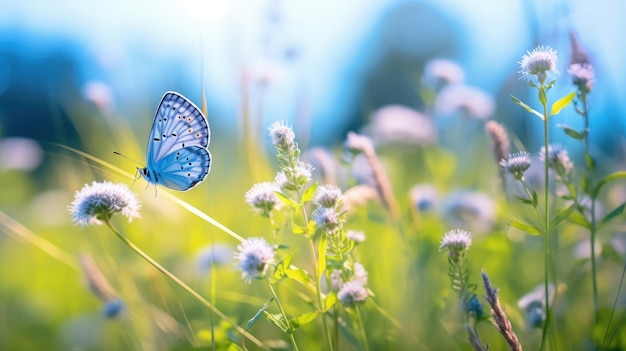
x=98, y=201
x=352, y=292
x=538, y=64
x=262, y=197
x=255, y=256
x=456, y=240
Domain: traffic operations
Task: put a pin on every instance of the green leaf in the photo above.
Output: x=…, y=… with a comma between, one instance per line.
x=616, y=212
x=331, y=300
x=298, y=274
x=535, y=199
x=286, y=200
x=579, y=219
x=530, y=229
x=279, y=321
x=298, y=229
x=302, y=319
x=561, y=103
x=281, y=267
x=591, y=164
x=561, y=215
x=258, y=314
x=572, y=132
x=543, y=99
x=526, y=107
x=321, y=255
x=609, y=178
x=309, y=193
x=524, y=200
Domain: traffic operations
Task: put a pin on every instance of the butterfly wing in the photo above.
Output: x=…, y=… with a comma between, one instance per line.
x=184, y=168
x=179, y=129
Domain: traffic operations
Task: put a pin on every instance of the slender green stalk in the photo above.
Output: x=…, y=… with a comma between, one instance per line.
x=547, y=251
x=319, y=296
x=318, y=288
x=282, y=311
x=530, y=197
x=583, y=99
x=182, y=284
x=361, y=329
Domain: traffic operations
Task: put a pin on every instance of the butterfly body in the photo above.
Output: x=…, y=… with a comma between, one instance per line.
x=177, y=155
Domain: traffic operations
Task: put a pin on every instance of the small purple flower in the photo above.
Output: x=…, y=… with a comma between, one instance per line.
x=327, y=195
x=358, y=236
x=538, y=64
x=327, y=219
x=262, y=197
x=352, y=292
x=516, y=164
x=99, y=201
x=557, y=158
x=255, y=256
x=282, y=136
x=456, y=241
x=583, y=76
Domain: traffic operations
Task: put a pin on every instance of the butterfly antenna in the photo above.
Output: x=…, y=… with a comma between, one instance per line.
x=130, y=159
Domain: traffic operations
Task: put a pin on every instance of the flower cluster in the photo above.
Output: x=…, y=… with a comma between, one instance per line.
x=353, y=289
x=293, y=174
x=99, y=201
x=327, y=215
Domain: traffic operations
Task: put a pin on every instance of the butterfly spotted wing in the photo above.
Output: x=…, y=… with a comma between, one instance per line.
x=177, y=155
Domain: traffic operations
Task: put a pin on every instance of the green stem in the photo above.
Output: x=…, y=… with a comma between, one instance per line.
x=583, y=98
x=282, y=311
x=361, y=328
x=530, y=197
x=547, y=251
x=319, y=296
x=182, y=284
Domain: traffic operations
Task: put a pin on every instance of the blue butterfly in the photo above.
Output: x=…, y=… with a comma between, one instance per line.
x=177, y=156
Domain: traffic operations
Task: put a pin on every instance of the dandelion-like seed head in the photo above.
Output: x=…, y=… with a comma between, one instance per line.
x=262, y=197
x=255, y=256
x=456, y=241
x=358, y=236
x=99, y=201
x=352, y=292
x=516, y=164
x=538, y=64
x=583, y=76
x=327, y=219
x=557, y=158
x=282, y=136
x=328, y=195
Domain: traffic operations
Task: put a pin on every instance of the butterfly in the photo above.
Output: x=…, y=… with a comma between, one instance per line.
x=177, y=155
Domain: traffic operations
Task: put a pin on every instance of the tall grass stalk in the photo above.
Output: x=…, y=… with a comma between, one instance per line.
x=183, y=285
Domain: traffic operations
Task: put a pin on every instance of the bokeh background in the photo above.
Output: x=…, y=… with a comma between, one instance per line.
x=89, y=75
